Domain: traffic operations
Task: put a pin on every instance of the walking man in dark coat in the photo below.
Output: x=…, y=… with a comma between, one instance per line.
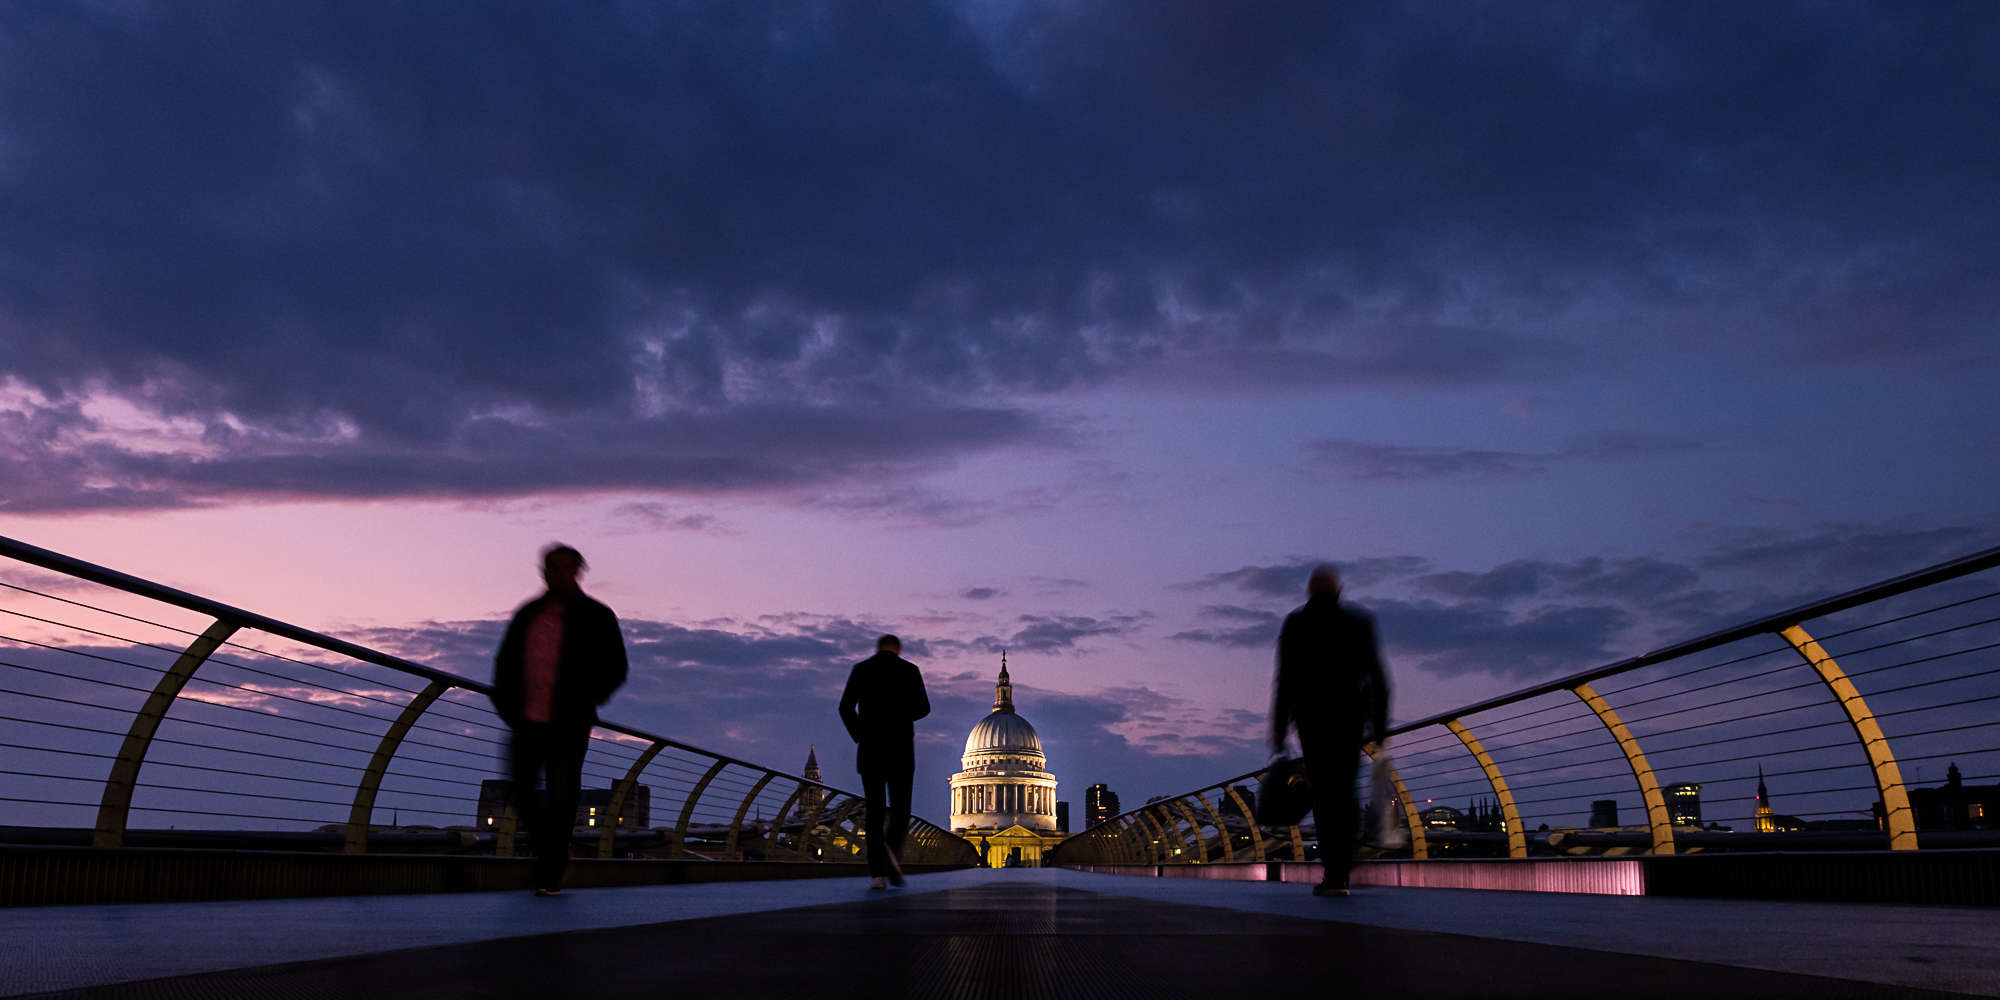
x=561, y=658
x=1331, y=686
x=883, y=700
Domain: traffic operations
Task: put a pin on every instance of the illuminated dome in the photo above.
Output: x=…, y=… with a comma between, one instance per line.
x=1006, y=782
x=1003, y=732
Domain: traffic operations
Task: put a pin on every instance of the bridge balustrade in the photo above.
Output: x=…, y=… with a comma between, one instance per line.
x=1868, y=718
x=132, y=713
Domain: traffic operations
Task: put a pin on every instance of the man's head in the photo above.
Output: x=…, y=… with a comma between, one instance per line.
x=889, y=644
x=561, y=568
x=1324, y=581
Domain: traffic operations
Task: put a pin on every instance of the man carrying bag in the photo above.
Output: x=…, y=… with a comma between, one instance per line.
x=1330, y=684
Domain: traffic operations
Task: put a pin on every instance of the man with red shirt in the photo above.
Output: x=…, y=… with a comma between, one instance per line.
x=561, y=658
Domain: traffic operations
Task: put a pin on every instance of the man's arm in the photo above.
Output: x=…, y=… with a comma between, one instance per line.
x=616, y=665
x=849, y=698
x=920, y=706
x=506, y=693
x=1375, y=681
x=1281, y=702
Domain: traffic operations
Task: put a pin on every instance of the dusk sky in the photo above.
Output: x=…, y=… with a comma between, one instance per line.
x=1078, y=329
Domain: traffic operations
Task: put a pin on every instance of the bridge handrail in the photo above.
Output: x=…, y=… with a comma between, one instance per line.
x=1153, y=833
x=929, y=837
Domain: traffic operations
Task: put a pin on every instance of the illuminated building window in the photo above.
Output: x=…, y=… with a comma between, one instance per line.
x=1977, y=810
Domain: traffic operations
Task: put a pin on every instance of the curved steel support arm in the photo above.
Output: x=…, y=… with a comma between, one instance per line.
x=1250, y=820
x=1194, y=831
x=116, y=805
x=1221, y=828
x=679, y=846
x=736, y=825
x=1897, y=816
x=1649, y=785
x=607, y=837
x=363, y=809
x=1517, y=840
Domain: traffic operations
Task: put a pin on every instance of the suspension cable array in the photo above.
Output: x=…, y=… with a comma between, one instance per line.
x=132, y=713
x=1862, y=721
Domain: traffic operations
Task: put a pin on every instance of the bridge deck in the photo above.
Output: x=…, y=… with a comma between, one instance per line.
x=999, y=934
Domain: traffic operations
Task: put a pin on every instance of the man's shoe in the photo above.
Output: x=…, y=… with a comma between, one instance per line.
x=1330, y=889
x=546, y=891
x=876, y=883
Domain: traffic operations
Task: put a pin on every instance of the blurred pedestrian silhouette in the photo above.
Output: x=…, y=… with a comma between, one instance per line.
x=561, y=658
x=1331, y=686
x=883, y=700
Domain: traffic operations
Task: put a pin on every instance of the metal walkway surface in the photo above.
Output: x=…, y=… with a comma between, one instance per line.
x=1000, y=934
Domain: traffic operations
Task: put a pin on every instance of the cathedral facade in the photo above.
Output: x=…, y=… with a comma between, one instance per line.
x=1005, y=798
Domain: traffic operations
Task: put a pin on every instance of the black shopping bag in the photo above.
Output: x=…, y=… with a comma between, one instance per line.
x=1284, y=796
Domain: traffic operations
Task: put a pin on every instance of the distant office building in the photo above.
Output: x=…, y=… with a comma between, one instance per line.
x=592, y=807
x=1442, y=818
x=1604, y=814
x=1684, y=803
x=1956, y=805
x=1230, y=809
x=1099, y=805
x=593, y=810
x=1062, y=817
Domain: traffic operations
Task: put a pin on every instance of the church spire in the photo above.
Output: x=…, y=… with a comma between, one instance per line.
x=1003, y=691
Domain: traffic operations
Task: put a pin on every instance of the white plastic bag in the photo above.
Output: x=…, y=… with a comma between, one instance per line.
x=1391, y=831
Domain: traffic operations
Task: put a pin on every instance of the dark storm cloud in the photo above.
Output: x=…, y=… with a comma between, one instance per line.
x=1052, y=633
x=1056, y=633
x=1392, y=463
x=763, y=447
x=1234, y=626
x=661, y=517
x=1855, y=553
x=1288, y=579
x=365, y=234
x=1452, y=640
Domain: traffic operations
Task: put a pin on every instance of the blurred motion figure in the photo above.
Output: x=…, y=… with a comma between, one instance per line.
x=562, y=657
x=1330, y=685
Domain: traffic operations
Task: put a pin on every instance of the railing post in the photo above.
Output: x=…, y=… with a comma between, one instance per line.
x=1221, y=828
x=1171, y=830
x=811, y=823
x=1649, y=785
x=845, y=815
x=778, y=821
x=1194, y=831
x=116, y=805
x=607, y=838
x=1420, y=845
x=1896, y=813
x=363, y=809
x=508, y=829
x=1250, y=820
x=736, y=825
x=1517, y=840
x=1157, y=838
x=679, y=846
